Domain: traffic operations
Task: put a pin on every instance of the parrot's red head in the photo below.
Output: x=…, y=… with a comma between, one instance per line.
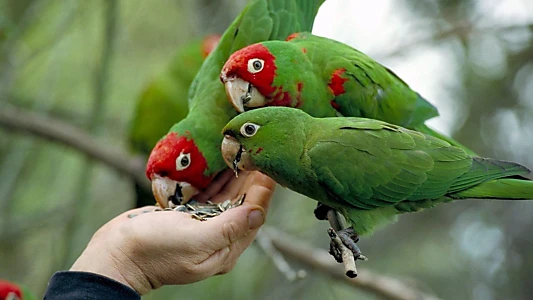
x=176, y=168
x=249, y=75
x=209, y=44
x=9, y=290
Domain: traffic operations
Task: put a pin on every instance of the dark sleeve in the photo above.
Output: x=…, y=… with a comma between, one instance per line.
x=84, y=285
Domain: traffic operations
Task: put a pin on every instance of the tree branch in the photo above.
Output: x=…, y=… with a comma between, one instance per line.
x=60, y=132
x=320, y=260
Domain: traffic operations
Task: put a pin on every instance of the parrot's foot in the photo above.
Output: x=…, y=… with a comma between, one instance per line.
x=344, y=249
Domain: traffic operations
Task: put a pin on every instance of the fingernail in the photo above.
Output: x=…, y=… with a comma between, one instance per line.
x=256, y=219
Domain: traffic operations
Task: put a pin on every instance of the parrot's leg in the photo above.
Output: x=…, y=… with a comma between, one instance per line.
x=348, y=236
x=324, y=212
x=321, y=211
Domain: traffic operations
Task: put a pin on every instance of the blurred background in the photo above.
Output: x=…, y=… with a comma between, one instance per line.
x=85, y=64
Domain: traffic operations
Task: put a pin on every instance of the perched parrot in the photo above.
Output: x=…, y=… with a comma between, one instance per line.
x=12, y=291
x=187, y=159
x=164, y=102
x=324, y=78
x=367, y=170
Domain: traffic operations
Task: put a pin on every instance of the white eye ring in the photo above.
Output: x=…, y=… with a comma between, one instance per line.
x=183, y=161
x=255, y=65
x=249, y=129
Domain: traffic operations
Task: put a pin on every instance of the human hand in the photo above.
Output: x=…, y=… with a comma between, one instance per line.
x=169, y=247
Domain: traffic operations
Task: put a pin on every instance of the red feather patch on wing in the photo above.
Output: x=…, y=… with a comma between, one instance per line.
x=336, y=82
x=292, y=36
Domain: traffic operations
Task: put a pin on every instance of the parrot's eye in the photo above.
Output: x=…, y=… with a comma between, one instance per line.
x=249, y=129
x=255, y=65
x=183, y=161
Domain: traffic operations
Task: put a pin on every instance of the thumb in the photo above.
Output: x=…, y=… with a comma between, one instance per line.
x=232, y=225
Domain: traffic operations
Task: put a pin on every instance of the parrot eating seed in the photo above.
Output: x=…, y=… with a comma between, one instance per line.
x=188, y=157
x=368, y=170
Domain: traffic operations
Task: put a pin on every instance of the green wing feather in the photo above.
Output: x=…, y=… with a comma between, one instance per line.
x=371, y=90
x=386, y=165
x=163, y=101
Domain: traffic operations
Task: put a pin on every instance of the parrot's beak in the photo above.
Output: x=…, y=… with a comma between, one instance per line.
x=235, y=155
x=242, y=94
x=170, y=193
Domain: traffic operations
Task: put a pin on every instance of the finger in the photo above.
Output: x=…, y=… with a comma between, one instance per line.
x=223, y=260
x=214, y=188
x=231, y=189
x=261, y=190
x=231, y=225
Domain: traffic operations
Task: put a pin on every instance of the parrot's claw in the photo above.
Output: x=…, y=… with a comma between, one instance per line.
x=344, y=249
x=350, y=238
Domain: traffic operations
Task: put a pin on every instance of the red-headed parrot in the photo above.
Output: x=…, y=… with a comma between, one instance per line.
x=324, y=78
x=13, y=291
x=187, y=159
x=164, y=102
x=367, y=170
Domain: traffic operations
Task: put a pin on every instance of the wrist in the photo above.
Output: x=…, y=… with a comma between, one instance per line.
x=114, y=264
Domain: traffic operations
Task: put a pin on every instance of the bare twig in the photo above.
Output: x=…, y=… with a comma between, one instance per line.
x=264, y=241
x=348, y=259
x=57, y=131
x=320, y=260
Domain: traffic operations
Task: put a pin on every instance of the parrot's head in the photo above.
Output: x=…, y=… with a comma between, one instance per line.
x=248, y=76
x=177, y=169
x=209, y=44
x=259, y=139
x=9, y=290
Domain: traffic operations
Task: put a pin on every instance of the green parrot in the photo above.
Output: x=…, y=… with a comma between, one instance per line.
x=187, y=159
x=164, y=102
x=12, y=291
x=324, y=78
x=367, y=170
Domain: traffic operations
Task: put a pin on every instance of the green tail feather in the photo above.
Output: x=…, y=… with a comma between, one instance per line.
x=503, y=189
x=493, y=179
x=425, y=129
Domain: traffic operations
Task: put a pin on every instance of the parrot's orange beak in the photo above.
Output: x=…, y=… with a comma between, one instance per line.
x=171, y=193
x=242, y=94
x=235, y=155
